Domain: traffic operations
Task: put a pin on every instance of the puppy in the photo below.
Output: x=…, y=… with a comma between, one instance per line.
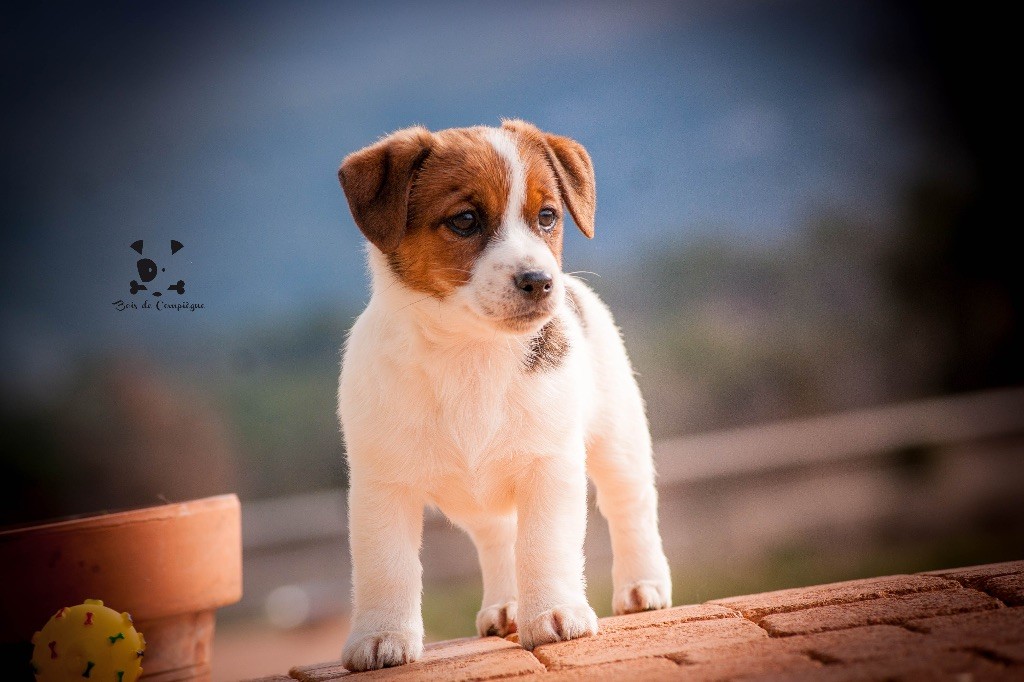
x=485, y=381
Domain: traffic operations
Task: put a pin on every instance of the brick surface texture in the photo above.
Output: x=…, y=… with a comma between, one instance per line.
x=1008, y=588
x=877, y=611
x=950, y=624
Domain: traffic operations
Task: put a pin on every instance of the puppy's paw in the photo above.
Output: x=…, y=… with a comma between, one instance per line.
x=497, y=620
x=381, y=650
x=642, y=595
x=561, y=623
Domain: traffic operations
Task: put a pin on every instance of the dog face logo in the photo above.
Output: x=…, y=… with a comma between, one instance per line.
x=148, y=271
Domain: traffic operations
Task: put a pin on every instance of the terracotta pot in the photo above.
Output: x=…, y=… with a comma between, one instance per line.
x=169, y=566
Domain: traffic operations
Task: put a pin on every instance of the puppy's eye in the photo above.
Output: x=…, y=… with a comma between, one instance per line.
x=547, y=219
x=464, y=224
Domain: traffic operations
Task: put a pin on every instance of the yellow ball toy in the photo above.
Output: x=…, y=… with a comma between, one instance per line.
x=88, y=641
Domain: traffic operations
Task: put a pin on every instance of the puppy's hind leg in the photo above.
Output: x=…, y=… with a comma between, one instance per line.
x=495, y=539
x=619, y=462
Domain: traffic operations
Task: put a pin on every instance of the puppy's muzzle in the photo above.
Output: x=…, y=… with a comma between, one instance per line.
x=536, y=285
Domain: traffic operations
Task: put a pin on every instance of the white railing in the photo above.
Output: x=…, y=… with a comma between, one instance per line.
x=840, y=437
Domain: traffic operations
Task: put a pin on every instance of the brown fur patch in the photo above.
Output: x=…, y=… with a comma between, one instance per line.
x=548, y=348
x=541, y=192
x=376, y=181
x=463, y=173
x=572, y=168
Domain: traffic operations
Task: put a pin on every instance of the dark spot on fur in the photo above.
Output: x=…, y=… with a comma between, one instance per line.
x=576, y=306
x=558, y=624
x=394, y=264
x=548, y=348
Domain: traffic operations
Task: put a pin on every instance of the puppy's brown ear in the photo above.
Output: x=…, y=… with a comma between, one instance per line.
x=573, y=169
x=376, y=181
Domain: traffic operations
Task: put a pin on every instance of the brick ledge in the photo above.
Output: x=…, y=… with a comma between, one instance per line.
x=961, y=623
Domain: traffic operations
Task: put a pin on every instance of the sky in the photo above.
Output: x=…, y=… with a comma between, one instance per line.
x=222, y=127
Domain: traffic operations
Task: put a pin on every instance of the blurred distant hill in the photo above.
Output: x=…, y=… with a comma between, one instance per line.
x=804, y=208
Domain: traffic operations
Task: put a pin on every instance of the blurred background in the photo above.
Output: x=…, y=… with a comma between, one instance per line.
x=803, y=230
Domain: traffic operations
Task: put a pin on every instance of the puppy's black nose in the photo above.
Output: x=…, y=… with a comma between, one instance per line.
x=535, y=284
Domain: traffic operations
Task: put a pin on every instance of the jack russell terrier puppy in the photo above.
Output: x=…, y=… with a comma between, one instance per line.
x=485, y=381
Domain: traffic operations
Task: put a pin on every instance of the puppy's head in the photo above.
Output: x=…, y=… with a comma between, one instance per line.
x=474, y=216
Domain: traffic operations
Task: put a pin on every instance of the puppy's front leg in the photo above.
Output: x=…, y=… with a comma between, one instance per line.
x=385, y=531
x=551, y=497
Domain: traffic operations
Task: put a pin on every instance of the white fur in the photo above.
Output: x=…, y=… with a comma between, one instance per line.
x=437, y=408
x=505, y=145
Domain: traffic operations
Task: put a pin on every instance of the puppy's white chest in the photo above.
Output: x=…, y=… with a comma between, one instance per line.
x=457, y=421
x=460, y=428
x=470, y=409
